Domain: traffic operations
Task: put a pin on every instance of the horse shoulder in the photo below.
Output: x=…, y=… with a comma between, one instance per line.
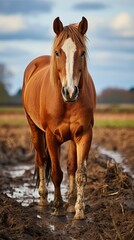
x=34, y=66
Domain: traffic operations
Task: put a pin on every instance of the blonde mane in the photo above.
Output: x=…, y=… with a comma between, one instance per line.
x=80, y=40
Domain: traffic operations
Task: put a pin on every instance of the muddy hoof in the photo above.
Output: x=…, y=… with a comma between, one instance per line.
x=43, y=202
x=59, y=212
x=71, y=209
x=79, y=215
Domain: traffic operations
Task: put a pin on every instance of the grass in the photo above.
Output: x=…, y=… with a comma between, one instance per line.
x=12, y=117
x=115, y=108
x=114, y=123
x=13, y=123
x=23, y=122
x=11, y=110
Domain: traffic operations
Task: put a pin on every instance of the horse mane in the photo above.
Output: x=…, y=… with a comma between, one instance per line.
x=80, y=40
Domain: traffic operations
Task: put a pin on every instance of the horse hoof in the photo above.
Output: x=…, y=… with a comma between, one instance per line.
x=43, y=202
x=79, y=216
x=59, y=212
x=71, y=209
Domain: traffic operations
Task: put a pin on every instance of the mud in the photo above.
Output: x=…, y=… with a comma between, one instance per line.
x=108, y=192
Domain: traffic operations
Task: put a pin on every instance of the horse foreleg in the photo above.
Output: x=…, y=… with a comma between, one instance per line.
x=56, y=172
x=71, y=167
x=83, y=147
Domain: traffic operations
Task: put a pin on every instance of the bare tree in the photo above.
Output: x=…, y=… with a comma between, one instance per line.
x=5, y=75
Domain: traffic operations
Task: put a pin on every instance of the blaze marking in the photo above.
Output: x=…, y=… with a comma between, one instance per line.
x=69, y=49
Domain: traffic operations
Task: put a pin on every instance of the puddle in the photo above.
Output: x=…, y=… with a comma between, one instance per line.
x=117, y=157
x=19, y=170
x=24, y=191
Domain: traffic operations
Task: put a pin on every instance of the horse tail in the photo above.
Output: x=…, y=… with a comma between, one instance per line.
x=47, y=161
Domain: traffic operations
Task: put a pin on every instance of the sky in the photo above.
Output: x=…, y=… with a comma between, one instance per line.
x=26, y=32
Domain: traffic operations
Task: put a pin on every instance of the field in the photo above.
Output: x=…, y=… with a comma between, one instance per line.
x=108, y=192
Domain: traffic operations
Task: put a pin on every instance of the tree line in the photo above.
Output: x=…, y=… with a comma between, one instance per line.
x=116, y=95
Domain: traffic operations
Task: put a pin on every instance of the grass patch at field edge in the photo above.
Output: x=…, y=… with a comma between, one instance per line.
x=114, y=123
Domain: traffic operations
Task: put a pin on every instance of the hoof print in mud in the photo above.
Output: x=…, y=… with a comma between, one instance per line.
x=59, y=212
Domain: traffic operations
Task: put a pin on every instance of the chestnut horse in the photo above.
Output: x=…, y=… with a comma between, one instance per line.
x=59, y=100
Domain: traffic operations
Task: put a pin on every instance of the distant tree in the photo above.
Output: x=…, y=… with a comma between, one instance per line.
x=5, y=75
x=131, y=89
x=19, y=93
x=115, y=95
x=3, y=93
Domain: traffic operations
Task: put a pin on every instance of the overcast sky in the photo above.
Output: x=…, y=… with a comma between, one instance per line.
x=26, y=32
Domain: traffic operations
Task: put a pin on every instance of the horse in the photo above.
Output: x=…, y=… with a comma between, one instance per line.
x=59, y=99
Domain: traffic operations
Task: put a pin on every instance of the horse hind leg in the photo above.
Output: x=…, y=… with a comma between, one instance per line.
x=41, y=179
x=56, y=172
x=38, y=140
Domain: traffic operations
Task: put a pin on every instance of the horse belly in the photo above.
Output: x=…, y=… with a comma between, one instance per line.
x=32, y=108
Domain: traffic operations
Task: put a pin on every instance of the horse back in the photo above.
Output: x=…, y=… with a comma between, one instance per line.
x=34, y=66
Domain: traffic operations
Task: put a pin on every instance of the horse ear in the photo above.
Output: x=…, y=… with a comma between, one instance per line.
x=83, y=26
x=57, y=26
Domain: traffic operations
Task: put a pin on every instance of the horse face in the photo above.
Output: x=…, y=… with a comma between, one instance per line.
x=70, y=63
x=65, y=58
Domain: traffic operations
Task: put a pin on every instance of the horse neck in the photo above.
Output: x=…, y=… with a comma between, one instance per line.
x=53, y=72
x=84, y=78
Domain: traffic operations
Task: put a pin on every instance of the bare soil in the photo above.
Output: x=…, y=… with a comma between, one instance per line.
x=108, y=192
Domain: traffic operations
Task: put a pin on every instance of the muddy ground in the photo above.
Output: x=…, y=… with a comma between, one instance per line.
x=108, y=192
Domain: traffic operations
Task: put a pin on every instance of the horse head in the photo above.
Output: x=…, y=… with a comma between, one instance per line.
x=69, y=57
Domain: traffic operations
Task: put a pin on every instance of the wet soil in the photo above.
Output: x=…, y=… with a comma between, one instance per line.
x=109, y=194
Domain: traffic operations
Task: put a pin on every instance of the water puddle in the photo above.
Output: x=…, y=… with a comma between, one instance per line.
x=22, y=187
x=117, y=157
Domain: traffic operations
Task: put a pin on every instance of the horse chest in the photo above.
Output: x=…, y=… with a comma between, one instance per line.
x=68, y=124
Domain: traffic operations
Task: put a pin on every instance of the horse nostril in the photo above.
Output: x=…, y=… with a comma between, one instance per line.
x=70, y=97
x=76, y=90
x=65, y=91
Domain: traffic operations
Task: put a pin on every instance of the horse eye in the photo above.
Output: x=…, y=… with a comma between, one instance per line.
x=82, y=53
x=57, y=53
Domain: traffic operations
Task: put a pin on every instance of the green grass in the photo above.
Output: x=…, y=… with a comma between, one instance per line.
x=127, y=123
x=23, y=122
x=13, y=123
x=9, y=110
x=115, y=108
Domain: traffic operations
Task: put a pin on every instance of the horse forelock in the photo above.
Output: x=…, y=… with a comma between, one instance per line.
x=70, y=31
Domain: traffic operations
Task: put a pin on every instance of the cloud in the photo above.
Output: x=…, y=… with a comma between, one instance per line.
x=17, y=27
x=120, y=27
x=12, y=23
x=25, y=7
x=112, y=45
x=84, y=6
x=13, y=52
x=123, y=24
x=34, y=33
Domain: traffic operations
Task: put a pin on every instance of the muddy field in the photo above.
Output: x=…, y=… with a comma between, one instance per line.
x=108, y=192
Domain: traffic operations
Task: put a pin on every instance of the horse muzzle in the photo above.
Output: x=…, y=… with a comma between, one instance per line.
x=70, y=96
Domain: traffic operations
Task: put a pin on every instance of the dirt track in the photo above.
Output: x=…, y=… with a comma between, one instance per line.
x=108, y=192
